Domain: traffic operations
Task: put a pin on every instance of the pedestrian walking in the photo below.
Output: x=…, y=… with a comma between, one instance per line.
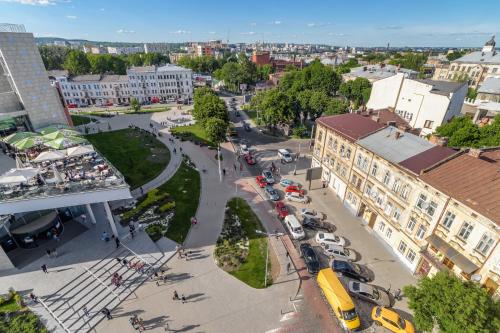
x=287, y=255
x=131, y=229
x=107, y=313
x=140, y=321
x=49, y=253
x=175, y=151
x=44, y=269
x=223, y=171
x=176, y=296
x=397, y=294
x=180, y=148
x=117, y=241
x=142, y=191
x=85, y=311
x=34, y=298
x=288, y=265
x=183, y=299
x=234, y=165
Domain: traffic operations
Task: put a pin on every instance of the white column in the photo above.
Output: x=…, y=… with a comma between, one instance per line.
x=90, y=213
x=110, y=218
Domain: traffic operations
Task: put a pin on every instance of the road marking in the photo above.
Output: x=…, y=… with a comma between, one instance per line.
x=287, y=316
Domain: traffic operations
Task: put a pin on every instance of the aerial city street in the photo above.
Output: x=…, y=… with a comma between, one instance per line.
x=249, y=167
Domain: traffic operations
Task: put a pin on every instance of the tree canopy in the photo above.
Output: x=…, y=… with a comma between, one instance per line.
x=77, y=63
x=210, y=112
x=237, y=72
x=357, y=90
x=53, y=56
x=203, y=64
x=455, y=55
x=453, y=305
x=410, y=60
x=462, y=132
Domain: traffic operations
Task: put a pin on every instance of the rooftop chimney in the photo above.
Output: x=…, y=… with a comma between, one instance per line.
x=476, y=153
x=397, y=135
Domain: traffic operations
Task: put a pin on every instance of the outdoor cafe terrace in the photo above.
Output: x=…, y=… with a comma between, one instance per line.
x=49, y=173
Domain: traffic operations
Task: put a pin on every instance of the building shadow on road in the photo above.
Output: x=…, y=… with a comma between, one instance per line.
x=175, y=277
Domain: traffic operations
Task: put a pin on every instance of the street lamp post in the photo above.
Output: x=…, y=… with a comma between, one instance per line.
x=218, y=159
x=296, y=161
x=267, y=250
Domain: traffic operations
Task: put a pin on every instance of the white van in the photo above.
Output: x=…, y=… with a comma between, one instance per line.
x=294, y=227
x=285, y=155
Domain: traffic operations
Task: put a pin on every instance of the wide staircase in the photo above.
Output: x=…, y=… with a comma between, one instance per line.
x=94, y=290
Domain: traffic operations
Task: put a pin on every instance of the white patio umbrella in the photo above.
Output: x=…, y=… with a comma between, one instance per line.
x=16, y=176
x=51, y=155
x=57, y=175
x=79, y=150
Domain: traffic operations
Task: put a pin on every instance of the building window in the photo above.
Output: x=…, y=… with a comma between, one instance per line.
x=387, y=178
x=432, y=208
x=402, y=247
x=397, y=185
x=411, y=255
x=485, y=244
x=380, y=200
x=465, y=231
x=348, y=153
x=448, y=220
x=421, y=203
x=420, y=232
x=368, y=189
x=381, y=226
x=374, y=170
x=388, y=208
x=405, y=192
x=388, y=234
x=320, y=135
x=396, y=215
x=342, y=150
x=335, y=144
x=330, y=142
x=411, y=224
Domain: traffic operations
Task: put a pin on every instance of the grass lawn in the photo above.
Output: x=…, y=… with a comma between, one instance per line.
x=192, y=133
x=81, y=120
x=253, y=269
x=184, y=189
x=149, y=110
x=9, y=306
x=20, y=319
x=138, y=155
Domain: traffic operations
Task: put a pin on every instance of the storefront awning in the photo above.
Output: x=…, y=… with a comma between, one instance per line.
x=448, y=251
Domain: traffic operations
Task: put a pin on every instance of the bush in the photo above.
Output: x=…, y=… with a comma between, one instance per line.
x=155, y=231
x=152, y=197
x=166, y=207
x=299, y=131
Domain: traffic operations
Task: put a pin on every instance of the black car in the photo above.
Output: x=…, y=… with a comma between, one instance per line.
x=351, y=270
x=310, y=258
x=313, y=224
x=238, y=113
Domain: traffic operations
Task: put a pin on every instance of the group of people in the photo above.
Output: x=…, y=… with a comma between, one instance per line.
x=116, y=279
x=137, y=323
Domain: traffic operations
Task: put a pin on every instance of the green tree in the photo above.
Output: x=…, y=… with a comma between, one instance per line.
x=357, y=90
x=134, y=59
x=336, y=106
x=264, y=71
x=490, y=134
x=410, y=60
x=210, y=106
x=448, y=129
x=53, y=56
x=215, y=129
x=276, y=108
x=77, y=63
x=455, y=55
x=452, y=305
x=100, y=64
x=136, y=106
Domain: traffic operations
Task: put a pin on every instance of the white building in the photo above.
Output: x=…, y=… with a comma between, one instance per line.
x=162, y=48
x=125, y=49
x=378, y=72
x=425, y=104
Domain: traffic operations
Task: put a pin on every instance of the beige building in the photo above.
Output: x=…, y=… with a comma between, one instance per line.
x=385, y=176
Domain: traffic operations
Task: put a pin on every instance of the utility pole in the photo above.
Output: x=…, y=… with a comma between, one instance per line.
x=218, y=159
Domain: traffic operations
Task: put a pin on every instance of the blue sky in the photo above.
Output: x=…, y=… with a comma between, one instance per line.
x=353, y=23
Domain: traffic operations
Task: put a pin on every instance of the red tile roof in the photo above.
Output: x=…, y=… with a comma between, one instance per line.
x=475, y=182
x=350, y=125
x=426, y=159
x=385, y=116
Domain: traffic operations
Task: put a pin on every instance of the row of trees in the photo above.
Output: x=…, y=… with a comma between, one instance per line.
x=308, y=94
x=77, y=62
x=237, y=70
x=202, y=64
x=210, y=111
x=462, y=132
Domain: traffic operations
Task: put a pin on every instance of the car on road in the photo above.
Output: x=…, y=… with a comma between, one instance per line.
x=351, y=270
x=338, y=252
x=261, y=181
x=281, y=209
x=296, y=197
x=324, y=238
x=370, y=293
x=286, y=182
x=313, y=224
x=268, y=175
x=271, y=193
x=310, y=258
x=72, y=106
x=391, y=320
x=294, y=188
x=312, y=214
x=244, y=150
x=285, y=155
x=249, y=159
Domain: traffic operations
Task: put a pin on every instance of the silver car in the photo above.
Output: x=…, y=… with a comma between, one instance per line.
x=370, y=293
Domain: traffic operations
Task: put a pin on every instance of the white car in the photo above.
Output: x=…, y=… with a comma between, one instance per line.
x=268, y=175
x=311, y=213
x=297, y=197
x=324, y=238
x=285, y=155
x=339, y=252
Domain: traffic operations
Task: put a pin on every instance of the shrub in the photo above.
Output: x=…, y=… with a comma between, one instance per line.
x=152, y=197
x=155, y=231
x=166, y=207
x=299, y=131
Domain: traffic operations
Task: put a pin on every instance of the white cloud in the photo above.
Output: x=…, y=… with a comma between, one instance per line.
x=248, y=33
x=124, y=31
x=180, y=32
x=36, y=2
x=72, y=17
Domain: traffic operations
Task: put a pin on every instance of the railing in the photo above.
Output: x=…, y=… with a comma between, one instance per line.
x=54, y=316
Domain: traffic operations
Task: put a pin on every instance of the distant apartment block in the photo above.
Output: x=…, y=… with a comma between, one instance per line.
x=125, y=49
x=25, y=91
x=163, y=48
x=424, y=104
x=378, y=72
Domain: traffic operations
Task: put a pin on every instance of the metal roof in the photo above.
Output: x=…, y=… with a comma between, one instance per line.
x=491, y=85
x=426, y=159
x=480, y=57
x=350, y=125
x=442, y=87
x=394, y=145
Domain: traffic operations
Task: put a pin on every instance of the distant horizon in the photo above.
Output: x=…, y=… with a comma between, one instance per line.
x=360, y=24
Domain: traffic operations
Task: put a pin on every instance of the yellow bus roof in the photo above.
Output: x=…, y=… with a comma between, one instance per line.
x=328, y=280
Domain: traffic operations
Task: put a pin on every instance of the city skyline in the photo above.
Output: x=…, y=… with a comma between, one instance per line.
x=426, y=24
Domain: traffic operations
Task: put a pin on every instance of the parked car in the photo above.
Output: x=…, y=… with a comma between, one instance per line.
x=286, y=182
x=313, y=224
x=272, y=194
x=285, y=155
x=338, y=252
x=297, y=197
x=351, y=270
x=72, y=106
x=268, y=175
x=261, y=181
x=281, y=209
x=294, y=188
x=249, y=159
x=324, y=238
x=312, y=214
x=370, y=293
x=310, y=258
x=294, y=227
x=391, y=320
